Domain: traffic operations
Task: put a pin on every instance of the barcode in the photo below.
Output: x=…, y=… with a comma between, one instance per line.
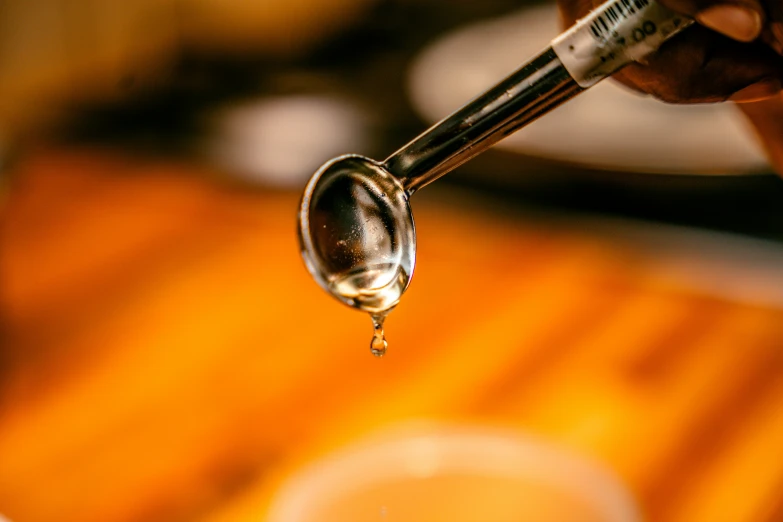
x=612, y=15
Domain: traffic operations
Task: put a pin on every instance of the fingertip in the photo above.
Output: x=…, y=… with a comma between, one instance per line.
x=776, y=40
x=757, y=92
x=739, y=22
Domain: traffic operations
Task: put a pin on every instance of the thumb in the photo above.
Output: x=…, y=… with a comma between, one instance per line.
x=740, y=20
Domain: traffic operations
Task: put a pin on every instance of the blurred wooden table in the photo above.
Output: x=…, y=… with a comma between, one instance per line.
x=165, y=357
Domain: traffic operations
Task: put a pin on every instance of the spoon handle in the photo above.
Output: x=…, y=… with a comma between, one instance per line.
x=612, y=36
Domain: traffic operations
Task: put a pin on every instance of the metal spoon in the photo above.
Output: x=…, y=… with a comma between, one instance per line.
x=356, y=228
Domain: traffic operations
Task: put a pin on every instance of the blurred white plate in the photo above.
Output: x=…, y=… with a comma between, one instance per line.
x=607, y=127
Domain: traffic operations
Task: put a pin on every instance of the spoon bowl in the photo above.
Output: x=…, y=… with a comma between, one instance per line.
x=356, y=233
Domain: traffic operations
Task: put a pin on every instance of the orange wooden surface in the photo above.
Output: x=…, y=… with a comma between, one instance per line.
x=166, y=357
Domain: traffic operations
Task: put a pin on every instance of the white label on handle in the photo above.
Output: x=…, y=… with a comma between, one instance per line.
x=613, y=35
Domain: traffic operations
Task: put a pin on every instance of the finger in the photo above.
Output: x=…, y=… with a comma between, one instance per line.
x=701, y=65
x=741, y=20
x=704, y=66
x=773, y=31
x=759, y=91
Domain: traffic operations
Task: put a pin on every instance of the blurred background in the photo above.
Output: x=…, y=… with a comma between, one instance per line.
x=609, y=280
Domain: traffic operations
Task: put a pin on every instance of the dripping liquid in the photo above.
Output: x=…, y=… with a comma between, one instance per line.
x=375, y=289
x=378, y=344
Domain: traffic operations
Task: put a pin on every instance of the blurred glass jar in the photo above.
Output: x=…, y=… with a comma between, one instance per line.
x=456, y=473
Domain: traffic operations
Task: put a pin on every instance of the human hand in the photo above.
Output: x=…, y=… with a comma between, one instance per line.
x=734, y=53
